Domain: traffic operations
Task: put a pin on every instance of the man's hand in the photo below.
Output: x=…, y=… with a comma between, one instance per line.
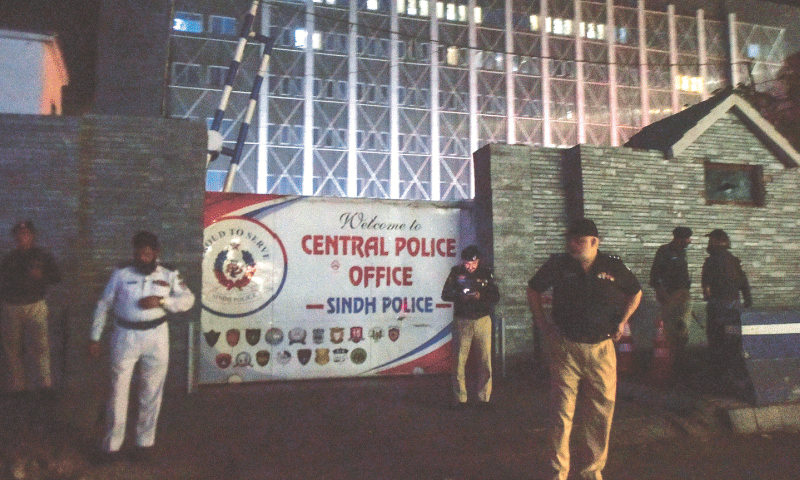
x=620, y=331
x=661, y=295
x=153, y=301
x=94, y=349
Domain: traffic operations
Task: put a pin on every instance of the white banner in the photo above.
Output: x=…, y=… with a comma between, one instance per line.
x=309, y=287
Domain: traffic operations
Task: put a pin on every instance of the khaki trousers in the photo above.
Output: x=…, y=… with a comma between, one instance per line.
x=19, y=322
x=583, y=375
x=467, y=333
x=676, y=313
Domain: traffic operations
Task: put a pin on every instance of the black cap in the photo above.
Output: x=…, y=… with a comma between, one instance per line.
x=145, y=239
x=719, y=234
x=471, y=253
x=682, y=232
x=582, y=228
x=23, y=225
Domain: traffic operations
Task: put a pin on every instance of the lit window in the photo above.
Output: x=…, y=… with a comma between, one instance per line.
x=412, y=7
x=452, y=55
x=451, y=12
x=462, y=13
x=439, y=9
x=301, y=36
x=401, y=6
x=601, y=31
x=567, y=27
x=753, y=50
x=734, y=184
x=622, y=35
x=548, y=25
x=424, y=8
x=372, y=4
x=188, y=22
x=222, y=25
x=478, y=15
x=534, y=19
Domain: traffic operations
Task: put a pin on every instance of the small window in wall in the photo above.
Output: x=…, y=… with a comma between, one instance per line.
x=225, y=26
x=734, y=184
x=188, y=22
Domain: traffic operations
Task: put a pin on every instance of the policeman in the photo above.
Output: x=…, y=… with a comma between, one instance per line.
x=472, y=289
x=594, y=296
x=137, y=300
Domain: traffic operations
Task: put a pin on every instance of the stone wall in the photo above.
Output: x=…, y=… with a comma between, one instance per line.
x=88, y=184
x=636, y=198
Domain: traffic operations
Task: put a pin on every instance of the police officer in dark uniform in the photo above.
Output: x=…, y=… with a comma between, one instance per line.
x=723, y=280
x=594, y=296
x=473, y=291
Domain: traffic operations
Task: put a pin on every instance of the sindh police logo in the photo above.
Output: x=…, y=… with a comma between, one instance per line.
x=244, y=267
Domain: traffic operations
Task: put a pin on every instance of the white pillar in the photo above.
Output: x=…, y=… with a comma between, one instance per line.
x=262, y=164
x=435, y=133
x=734, y=52
x=643, y=80
x=308, y=110
x=352, y=102
x=394, y=116
x=702, y=53
x=613, y=100
x=673, y=60
x=580, y=84
x=511, y=114
x=473, y=93
x=547, y=132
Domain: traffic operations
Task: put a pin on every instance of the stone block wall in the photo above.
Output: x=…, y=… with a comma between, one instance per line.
x=636, y=198
x=88, y=184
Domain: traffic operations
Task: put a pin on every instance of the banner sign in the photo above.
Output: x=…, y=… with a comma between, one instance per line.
x=310, y=287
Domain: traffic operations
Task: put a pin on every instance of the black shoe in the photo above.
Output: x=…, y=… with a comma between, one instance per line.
x=458, y=406
x=142, y=454
x=485, y=406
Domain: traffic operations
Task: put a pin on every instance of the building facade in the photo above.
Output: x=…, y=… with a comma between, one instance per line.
x=390, y=98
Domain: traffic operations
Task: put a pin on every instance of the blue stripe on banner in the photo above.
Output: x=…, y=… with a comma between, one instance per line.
x=218, y=116
x=232, y=69
x=433, y=341
x=240, y=142
x=268, y=43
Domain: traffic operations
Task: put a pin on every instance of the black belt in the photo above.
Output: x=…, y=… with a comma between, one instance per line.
x=146, y=325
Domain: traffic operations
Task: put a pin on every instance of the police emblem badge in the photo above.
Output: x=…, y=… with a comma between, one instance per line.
x=243, y=359
x=274, y=336
x=337, y=335
x=297, y=335
x=394, y=334
x=224, y=360
x=358, y=356
x=252, y=335
x=232, y=336
x=322, y=356
x=318, y=335
x=304, y=355
x=340, y=355
x=356, y=334
x=262, y=358
x=211, y=337
x=284, y=357
x=376, y=333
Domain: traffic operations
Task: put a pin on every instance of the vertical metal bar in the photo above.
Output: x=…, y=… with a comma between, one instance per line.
x=394, y=115
x=613, y=98
x=435, y=126
x=511, y=114
x=352, y=107
x=472, y=33
x=251, y=108
x=308, y=99
x=547, y=131
x=734, y=50
x=262, y=165
x=702, y=53
x=580, y=85
x=673, y=60
x=644, y=87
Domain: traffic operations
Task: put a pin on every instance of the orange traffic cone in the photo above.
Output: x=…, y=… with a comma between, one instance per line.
x=625, y=363
x=661, y=366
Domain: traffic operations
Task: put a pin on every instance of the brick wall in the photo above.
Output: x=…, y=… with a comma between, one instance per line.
x=89, y=183
x=637, y=198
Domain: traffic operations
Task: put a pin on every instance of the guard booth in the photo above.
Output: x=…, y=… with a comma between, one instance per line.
x=771, y=347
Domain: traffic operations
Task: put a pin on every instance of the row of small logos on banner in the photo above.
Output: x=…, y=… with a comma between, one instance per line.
x=322, y=356
x=274, y=336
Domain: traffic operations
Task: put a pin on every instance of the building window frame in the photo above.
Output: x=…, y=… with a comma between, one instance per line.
x=734, y=184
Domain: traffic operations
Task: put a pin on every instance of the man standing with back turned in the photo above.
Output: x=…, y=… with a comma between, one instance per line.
x=138, y=298
x=594, y=296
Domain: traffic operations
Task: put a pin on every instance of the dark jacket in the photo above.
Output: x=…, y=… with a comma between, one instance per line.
x=670, y=269
x=17, y=287
x=723, y=277
x=460, y=283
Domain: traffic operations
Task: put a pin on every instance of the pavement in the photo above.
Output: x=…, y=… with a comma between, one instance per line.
x=358, y=428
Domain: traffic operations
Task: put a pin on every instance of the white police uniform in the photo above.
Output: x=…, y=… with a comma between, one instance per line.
x=139, y=335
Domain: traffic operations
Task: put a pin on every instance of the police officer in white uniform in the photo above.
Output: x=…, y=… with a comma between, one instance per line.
x=136, y=301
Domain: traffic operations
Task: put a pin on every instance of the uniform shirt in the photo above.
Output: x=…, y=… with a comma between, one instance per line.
x=461, y=281
x=670, y=269
x=127, y=286
x=723, y=275
x=587, y=307
x=16, y=285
